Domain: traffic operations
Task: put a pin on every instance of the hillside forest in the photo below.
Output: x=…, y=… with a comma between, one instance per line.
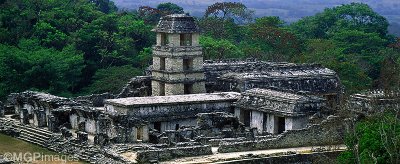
x=76, y=47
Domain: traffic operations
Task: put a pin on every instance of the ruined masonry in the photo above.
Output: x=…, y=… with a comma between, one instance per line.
x=183, y=106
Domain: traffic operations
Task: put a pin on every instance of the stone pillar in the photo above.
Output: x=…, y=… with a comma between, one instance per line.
x=35, y=118
x=272, y=124
x=237, y=113
x=145, y=133
x=24, y=116
x=41, y=118
x=132, y=135
x=289, y=123
x=52, y=123
x=257, y=120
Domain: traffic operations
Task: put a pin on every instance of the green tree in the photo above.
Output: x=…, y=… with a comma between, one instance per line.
x=277, y=43
x=112, y=79
x=145, y=57
x=374, y=140
x=327, y=53
x=152, y=15
x=105, y=6
x=170, y=8
x=230, y=10
x=219, y=49
x=38, y=68
x=354, y=16
x=49, y=36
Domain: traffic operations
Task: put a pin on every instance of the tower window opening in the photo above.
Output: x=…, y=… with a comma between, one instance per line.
x=188, y=88
x=164, y=39
x=162, y=63
x=187, y=64
x=186, y=39
x=162, y=89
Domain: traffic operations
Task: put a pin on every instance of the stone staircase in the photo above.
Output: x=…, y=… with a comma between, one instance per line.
x=34, y=135
x=56, y=143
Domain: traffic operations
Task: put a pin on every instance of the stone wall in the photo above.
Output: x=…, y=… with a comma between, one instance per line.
x=139, y=86
x=96, y=100
x=375, y=101
x=167, y=112
x=266, y=100
x=215, y=69
x=171, y=153
x=319, y=157
x=236, y=75
x=329, y=132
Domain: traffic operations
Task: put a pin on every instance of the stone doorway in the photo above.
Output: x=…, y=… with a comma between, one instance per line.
x=246, y=117
x=281, y=124
x=157, y=126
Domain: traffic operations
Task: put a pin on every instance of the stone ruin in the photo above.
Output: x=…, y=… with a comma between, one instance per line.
x=275, y=111
x=375, y=101
x=184, y=106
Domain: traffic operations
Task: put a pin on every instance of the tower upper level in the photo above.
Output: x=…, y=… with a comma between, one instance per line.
x=177, y=30
x=177, y=23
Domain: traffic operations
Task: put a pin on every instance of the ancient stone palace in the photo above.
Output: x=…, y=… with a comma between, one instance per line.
x=184, y=105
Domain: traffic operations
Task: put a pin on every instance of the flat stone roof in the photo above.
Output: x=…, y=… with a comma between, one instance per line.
x=321, y=72
x=174, y=99
x=281, y=96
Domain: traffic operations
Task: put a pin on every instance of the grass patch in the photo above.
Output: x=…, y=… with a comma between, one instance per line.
x=12, y=145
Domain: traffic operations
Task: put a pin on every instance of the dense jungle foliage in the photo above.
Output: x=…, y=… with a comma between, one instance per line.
x=77, y=47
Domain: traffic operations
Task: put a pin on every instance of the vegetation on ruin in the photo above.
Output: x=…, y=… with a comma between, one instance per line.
x=375, y=139
x=77, y=47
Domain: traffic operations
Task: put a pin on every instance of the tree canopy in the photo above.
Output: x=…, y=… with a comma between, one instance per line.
x=74, y=44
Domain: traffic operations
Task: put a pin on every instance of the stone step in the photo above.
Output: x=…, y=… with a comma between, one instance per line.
x=27, y=132
x=33, y=138
x=34, y=135
x=37, y=130
x=30, y=140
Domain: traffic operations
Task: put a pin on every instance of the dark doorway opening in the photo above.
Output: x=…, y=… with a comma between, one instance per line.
x=157, y=126
x=187, y=64
x=164, y=39
x=162, y=89
x=246, y=117
x=188, y=88
x=162, y=63
x=281, y=124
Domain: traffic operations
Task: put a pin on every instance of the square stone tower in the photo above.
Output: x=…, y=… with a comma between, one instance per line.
x=177, y=57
